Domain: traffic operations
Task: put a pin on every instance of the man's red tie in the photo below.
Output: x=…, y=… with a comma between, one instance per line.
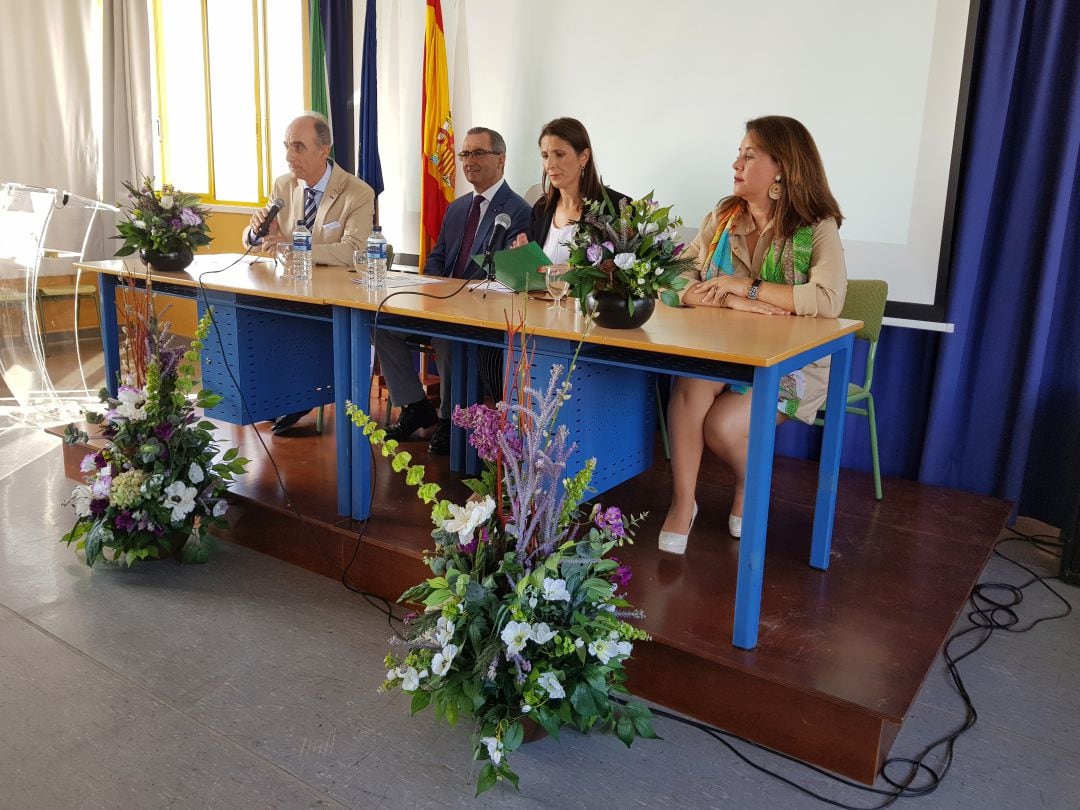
x=466, y=241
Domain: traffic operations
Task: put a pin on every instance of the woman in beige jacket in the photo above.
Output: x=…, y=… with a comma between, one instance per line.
x=773, y=248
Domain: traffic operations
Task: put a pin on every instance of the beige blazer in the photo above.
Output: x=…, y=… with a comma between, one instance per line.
x=343, y=221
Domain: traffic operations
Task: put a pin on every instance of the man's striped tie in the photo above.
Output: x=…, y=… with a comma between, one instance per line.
x=310, y=207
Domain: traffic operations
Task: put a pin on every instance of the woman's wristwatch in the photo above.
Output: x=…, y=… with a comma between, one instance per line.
x=752, y=292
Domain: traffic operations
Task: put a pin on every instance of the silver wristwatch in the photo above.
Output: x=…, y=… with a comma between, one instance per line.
x=752, y=293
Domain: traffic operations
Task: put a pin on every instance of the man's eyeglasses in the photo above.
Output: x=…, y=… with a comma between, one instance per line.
x=476, y=153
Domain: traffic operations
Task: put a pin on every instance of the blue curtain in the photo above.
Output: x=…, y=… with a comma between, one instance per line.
x=994, y=408
x=336, y=16
x=369, y=164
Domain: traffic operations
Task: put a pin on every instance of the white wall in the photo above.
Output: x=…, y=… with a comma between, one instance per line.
x=665, y=89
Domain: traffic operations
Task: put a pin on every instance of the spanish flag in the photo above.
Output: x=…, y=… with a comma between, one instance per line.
x=437, y=134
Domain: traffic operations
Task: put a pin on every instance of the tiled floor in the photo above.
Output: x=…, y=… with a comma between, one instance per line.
x=251, y=683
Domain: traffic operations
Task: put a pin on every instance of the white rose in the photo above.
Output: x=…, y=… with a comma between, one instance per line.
x=555, y=590
x=195, y=473
x=549, y=682
x=624, y=261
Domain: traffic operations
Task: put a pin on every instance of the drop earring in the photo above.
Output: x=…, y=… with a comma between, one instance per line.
x=775, y=190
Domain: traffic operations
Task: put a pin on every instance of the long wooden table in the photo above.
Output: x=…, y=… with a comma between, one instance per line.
x=722, y=345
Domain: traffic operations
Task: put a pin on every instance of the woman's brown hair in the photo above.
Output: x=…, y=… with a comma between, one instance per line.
x=574, y=133
x=805, y=197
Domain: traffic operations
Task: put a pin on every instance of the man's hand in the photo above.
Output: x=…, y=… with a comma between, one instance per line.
x=273, y=235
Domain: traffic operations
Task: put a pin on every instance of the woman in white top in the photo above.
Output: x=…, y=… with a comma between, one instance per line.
x=569, y=178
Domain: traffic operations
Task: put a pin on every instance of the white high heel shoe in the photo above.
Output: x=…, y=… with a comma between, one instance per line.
x=676, y=543
x=734, y=525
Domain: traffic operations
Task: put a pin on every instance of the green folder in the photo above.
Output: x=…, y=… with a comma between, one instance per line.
x=517, y=268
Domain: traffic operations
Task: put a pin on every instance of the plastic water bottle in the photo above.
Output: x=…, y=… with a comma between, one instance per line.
x=376, y=259
x=301, y=252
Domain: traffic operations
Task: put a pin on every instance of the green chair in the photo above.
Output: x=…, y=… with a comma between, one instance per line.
x=865, y=302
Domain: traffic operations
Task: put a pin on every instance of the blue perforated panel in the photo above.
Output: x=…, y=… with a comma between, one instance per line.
x=611, y=415
x=282, y=360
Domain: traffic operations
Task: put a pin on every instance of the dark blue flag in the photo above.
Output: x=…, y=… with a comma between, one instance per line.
x=369, y=167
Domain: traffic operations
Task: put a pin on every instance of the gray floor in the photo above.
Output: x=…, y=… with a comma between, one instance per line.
x=251, y=683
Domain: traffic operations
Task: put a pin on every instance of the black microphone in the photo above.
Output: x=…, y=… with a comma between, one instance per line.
x=271, y=212
x=498, y=234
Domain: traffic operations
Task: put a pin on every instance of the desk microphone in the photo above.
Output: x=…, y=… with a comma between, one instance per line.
x=498, y=233
x=271, y=213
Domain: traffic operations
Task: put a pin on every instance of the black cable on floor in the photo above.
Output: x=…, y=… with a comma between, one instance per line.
x=385, y=607
x=993, y=608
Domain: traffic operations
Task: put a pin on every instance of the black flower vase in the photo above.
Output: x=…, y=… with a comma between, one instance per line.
x=167, y=262
x=612, y=309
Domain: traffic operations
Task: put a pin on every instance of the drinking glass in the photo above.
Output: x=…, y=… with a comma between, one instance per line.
x=557, y=285
x=283, y=257
x=359, y=265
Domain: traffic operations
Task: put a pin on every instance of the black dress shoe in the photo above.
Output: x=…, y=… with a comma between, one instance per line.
x=440, y=440
x=283, y=423
x=417, y=416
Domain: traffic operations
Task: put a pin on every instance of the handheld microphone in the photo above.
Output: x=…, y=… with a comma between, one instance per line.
x=271, y=213
x=498, y=233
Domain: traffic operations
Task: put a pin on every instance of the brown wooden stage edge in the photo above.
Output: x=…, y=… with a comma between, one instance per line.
x=841, y=654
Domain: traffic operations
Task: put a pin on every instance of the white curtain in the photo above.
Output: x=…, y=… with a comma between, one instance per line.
x=127, y=114
x=75, y=90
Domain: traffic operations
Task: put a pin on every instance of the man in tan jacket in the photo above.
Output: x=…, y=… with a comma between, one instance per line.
x=337, y=206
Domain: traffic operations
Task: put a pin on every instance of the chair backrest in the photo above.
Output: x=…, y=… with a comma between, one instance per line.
x=865, y=301
x=534, y=193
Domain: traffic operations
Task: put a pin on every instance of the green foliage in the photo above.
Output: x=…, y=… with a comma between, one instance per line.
x=521, y=619
x=632, y=251
x=159, y=482
x=164, y=220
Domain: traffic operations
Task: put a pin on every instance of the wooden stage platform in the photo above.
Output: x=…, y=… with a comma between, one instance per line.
x=841, y=655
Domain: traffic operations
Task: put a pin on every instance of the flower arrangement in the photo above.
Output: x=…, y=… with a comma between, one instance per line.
x=162, y=221
x=632, y=252
x=523, y=620
x=155, y=485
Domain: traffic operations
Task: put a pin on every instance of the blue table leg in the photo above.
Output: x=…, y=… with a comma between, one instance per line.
x=458, y=383
x=110, y=332
x=342, y=424
x=473, y=393
x=831, y=446
x=466, y=389
x=756, y=507
x=360, y=394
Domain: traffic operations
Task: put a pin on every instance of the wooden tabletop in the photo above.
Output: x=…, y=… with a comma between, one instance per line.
x=706, y=332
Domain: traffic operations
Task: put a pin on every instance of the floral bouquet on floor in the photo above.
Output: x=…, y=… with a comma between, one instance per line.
x=523, y=622
x=157, y=485
x=632, y=252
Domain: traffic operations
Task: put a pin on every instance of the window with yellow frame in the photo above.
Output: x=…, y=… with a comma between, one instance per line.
x=229, y=76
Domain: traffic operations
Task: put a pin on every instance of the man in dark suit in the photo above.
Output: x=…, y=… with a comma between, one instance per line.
x=465, y=232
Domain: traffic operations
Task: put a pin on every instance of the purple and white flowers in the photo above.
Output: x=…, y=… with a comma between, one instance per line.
x=633, y=251
x=165, y=220
x=158, y=481
x=524, y=614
